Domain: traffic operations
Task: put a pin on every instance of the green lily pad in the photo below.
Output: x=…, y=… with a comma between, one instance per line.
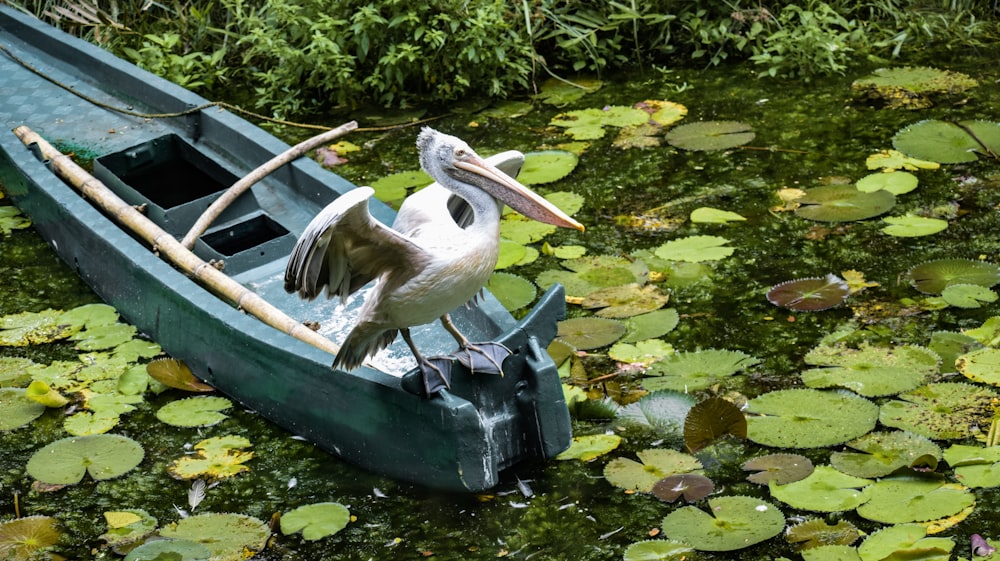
x=912, y=226
x=316, y=521
x=85, y=423
x=710, y=135
x=890, y=160
x=229, y=537
x=17, y=409
x=128, y=526
x=625, y=301
x=824, y=490
x=734, y=523
x=547, y=166
x=843, y=203
x=806, y=418
x=173, y=549
x=694, y=371
x=173, y=373
x=90, y=316
x=644, y=352
x=695, y=249
x=780, y=468
x=663, y=112
x=586, y=333
x=881, y=453
x=942, y=411
x=103, y=336
x=593, y=272
x=905, y=541
x=948, y=142
x=201, y=411
x=103, y=456
x=650, y=325
x=512, y=291
x=560, y=92
x=870, y=371
x=14, y=371
x=27, y=538
x=588, y=124
x=933, y=277
x=815, y=532
x=810, y=294
x=834, y=552
x=968, y=295
x=950, y=345
x=982, y=365
x=646, y=135
x=34, y=328
x=665, y=411
x=12, y=219
x=508, y=109
x=657, y=550
x=216, y=458
x=975, y=466
x=657, y=463
x=393, y=188
x=986, y=334
x=911, y=87
x=692, y=486
x=588, y=447
x=898, y=500
x=711, y=419
x=895, y=182
x=707, y=215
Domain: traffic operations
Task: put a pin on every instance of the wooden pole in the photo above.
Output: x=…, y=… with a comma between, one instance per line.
x=238, y=188
x=170, y=248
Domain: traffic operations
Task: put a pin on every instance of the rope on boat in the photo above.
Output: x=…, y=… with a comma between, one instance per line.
x=168, y=246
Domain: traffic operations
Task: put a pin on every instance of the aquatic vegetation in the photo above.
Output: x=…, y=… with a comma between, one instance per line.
x=912, y=226
x=12, y=219
x=657, y=463
x=710, y=135
x=870, y=371
x=202, y=411
x=881, y=453
x=843, y=203
x=644, y=352
x=932, y=277
x=735, y=522
x=975, y=466
x=941, y=410
x=547, y=166
x=707, y=215
x=512, y=291
x=657, y=550
x=896, y=182
x=692, y=486
x=588, y=124
x=893, y=160
x=712, y=419
x=215, y=458
x=585, y=333
x=968, y=295
x=807, y=418
x=650, y=325
x=902, y=499
x=315, y=521
x=824, y=490
x=590, y=446
x=695, y=249
x=186, y=550
x=811, y=294
x=947, y=142
x=228, y=537
x=692, y=371
x=17, y=409
x=68, y=460
x=981, y=365
x=28, y=538
x=911, y=87
x=814, y=532
x=780, y=468
x=128, y=527
x=174, y=373
x=625, y=301
x=664, y=411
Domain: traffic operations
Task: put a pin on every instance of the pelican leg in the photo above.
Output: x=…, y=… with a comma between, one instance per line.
x=436, y=372
x=477, y=357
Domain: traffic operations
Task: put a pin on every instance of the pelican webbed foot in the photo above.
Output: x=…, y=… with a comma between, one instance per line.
x=484, y=358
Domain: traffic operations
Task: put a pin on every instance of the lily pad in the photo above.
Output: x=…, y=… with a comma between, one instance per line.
x=815, y=532
x=806, y=418
x=933, y=277
x=657, y=550
x=128, y=526
x=34, y=328
x=911, y=87
x=975, y=466
x=316, y=521
x=824, y=490
x=27, y=538
x=12, y=219
x=625, y=301
x=202, y=411
x=711, y=419
x=843, y=203
x=695, y=249
x=512, y=291
x=912, y=226
x=694, y=371
x=905, y=541
x=229, y=537
x=734, y=523
x=650, y=325
x=942, y=411
x=948, y=142
x=710, y=135
x=898, y=500
x=17, y=409
x=103, y=456
x=982, y=365
x=590, y=446
x=644, y=352
x=393, y=188
x=103, y=337
x=588, y=124
x=216, y=458
x=881, y=453
x=547, y=166
x=895, y=182
x=691, y=486
x=890, y=160
x=870, y=371
x=560, y=92
x=831, y=553
x=657, y=463
x=968, y=295
x=780, y=468
x=587, y=333
x=707, y=215
x=173, y=549
x=173, y=373
x=950, y=345
x=810, y=294
x=665, y=411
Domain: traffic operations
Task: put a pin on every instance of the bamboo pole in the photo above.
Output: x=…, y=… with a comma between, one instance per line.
x=170, y=248
x=238, y=188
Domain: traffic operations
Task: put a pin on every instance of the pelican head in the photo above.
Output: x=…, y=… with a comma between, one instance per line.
x=457, y=167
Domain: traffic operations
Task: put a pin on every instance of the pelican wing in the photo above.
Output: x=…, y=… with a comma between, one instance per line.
x=344, y=248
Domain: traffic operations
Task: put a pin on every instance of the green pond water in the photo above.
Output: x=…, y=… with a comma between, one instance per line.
x=807, y=134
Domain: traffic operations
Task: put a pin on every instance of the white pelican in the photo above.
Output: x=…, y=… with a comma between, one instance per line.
x=435, y=258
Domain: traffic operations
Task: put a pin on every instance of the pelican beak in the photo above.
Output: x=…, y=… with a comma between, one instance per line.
x=511, y=192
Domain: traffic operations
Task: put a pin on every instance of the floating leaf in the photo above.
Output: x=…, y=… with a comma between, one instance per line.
x=103, y=336
x=316, y=521
x=644, y=352
x=968, y=295
x=711, y=419
x=625, y=301
x=588, y=124
x=810, y=294
x=128, y=526
x=173, y=549
x=559, y=92
x=650, y=325
x=831, y=553
x=707, y=215
x=17, y=409
x=27, y=538
x=695, y=249
x=663, y=113
x=941, y=411
x=881, y=453
x=588, y=447
x=911, y=87
x=843, y=203
x=14, y=372
x=933, y=277
x=33, y=328
x=824, y=490
x=734, y=523
x=42, y=393
x=229, y=537
x=587, y=333
x=173, y=373
x=982, y=365
x=90, y=316
x=645, y=135
x=814, y=532
x=987, y=334
x=890, y=160
x=691, y=486
x=657, y=550
x=512, y=291
x=912, y=226
x=895, y=182
x=948, y=142
x=393, y=188
x=201, y=411
x=950, y=345
x=805, y=418
x=665, y=411
x=85, y=423
x=710, y=135
x=870, y=371
x=103, y=456
x=975, y=466
x=905, y=541
x=12, y=219
x=547, y=166
x=656, y=464
x=217, y=458
x=694, y=371
x=780, y=468
x=898, y=500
